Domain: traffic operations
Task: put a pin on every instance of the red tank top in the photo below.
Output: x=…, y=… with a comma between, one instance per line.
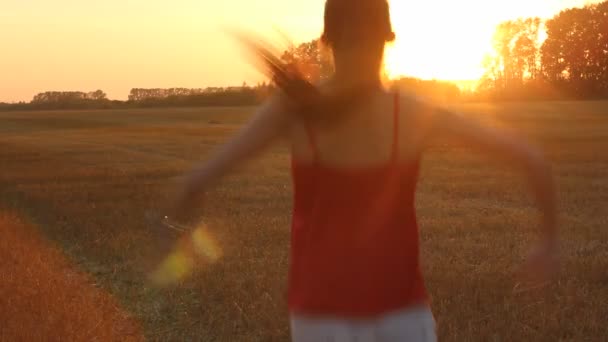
x=354, y=238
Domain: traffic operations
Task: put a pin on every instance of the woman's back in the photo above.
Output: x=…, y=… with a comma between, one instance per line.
x=354, y=234
x=366, y=138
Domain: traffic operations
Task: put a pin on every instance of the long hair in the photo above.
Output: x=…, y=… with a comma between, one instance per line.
x=363, y=20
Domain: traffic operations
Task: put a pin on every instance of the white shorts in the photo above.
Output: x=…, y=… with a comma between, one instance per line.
x=415, y=324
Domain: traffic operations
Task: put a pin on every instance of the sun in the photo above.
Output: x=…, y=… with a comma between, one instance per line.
x=435, y=44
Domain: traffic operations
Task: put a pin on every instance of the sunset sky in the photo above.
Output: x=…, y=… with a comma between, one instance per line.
x=115, y=45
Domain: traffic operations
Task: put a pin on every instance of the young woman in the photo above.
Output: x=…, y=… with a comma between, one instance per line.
x=354, y=272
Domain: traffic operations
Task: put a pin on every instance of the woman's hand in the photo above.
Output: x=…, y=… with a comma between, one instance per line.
x=541, y=266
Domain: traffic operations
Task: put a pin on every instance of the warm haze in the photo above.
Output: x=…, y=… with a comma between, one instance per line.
x=96, y=244
x=115, y=45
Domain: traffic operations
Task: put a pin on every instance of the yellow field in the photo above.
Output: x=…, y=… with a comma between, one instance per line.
x=42, y=298
x=86, y=180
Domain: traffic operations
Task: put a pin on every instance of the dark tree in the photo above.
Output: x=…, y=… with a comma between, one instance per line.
x=575, y=54
x=311, y=60
x=572, y=61
x=517, y=53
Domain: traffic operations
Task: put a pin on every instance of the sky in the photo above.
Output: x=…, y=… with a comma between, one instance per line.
x=116, y=45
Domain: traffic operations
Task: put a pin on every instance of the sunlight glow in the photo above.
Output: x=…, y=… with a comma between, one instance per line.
x=117, y=45
x=448, y=40
x=180, y=263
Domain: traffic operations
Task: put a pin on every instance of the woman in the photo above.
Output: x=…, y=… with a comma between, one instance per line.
x=354, y=272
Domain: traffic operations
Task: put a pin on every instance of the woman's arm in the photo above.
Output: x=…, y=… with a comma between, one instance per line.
x=507, y=147
x=269, y=123
x=518, y=153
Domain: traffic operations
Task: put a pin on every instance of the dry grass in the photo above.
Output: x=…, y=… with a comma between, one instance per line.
x=43, y=298
x=88, y=178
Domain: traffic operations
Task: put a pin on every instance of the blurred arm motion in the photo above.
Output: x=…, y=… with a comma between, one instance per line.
x=268, y=124
x=516, y=152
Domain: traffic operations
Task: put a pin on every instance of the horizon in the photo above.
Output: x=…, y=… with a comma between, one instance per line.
x=115, y=46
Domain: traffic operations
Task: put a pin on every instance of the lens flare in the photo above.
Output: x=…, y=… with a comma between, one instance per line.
x=197, y=245
x=204, y=244
x=174, y=268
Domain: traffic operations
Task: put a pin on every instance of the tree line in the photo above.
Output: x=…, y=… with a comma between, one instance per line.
x=564, y=57
x=312, y=61
x=212, y=96
x=63, y=100
x=146, y=97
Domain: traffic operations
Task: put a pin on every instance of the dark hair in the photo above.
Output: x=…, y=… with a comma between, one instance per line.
x=367, y=19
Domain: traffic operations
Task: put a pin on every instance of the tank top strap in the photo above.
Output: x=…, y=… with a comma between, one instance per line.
x=396, y=114
x=312, y=140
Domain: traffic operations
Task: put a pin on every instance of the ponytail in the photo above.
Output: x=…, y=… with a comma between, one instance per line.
x=305, y=99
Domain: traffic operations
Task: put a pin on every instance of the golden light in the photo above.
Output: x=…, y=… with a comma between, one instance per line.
x=116, y=45
x=189, y=250
x=434, y=44
x=447, y=40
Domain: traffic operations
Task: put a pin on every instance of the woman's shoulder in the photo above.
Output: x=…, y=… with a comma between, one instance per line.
x=416, y=106
x=417, y=118
x=413, y=100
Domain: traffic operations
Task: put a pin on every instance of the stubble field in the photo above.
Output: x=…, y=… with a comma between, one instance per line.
x=84, y=180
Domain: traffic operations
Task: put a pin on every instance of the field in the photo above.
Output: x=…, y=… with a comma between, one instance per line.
x=85, y=180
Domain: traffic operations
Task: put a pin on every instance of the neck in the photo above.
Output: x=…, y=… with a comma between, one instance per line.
x=356, y=78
